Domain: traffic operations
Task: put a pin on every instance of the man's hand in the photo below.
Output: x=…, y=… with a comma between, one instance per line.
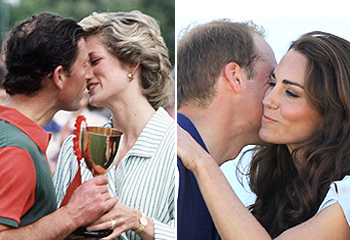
x=90, y=201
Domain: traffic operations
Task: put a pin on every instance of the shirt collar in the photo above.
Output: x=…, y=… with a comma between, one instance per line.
x=187, y=125
x=151, y=136
x=26, y=125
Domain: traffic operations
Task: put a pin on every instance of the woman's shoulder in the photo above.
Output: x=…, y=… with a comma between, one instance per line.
x=341, y=189
x=161, y=123
x=339, y=192
x=343, y=184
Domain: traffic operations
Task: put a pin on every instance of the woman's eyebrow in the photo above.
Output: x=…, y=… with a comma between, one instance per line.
x=288, y=82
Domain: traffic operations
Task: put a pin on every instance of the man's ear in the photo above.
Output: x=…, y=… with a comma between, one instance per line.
x=233, y=74
x=59, y=76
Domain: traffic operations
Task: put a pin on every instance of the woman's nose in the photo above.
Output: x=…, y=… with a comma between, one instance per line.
x=89, y=74
x=271, y=99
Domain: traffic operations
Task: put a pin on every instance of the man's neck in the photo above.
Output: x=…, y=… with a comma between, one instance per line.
x=219, y=139
x=35, y=108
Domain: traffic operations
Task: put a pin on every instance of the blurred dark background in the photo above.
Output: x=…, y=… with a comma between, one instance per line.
x=13, y=11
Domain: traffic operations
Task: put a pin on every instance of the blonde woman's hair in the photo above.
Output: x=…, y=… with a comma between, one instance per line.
x=134, y=37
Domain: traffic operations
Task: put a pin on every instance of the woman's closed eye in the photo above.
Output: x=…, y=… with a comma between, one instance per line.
x=291, y=94
x=94, y=61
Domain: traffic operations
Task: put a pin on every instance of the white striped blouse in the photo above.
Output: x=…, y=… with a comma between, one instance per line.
x=144, y=179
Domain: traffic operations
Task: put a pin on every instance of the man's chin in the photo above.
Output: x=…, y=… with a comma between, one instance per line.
x=73, y=107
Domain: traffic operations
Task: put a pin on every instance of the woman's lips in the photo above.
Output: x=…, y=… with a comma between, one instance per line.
x=91, y=86
x=268, y=119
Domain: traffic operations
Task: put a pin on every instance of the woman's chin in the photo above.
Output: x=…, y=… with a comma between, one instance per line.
x=265, y=136
x=94, y=101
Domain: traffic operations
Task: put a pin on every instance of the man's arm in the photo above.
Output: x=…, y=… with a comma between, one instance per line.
x=53, y=226
x=89, y=202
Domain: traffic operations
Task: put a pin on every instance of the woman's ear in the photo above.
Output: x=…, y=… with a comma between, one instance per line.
x=59, y=76
x=233, y=74
x=132, y=72
x=134, y=68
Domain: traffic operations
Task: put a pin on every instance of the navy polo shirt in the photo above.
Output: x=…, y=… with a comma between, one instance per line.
x=193, y=218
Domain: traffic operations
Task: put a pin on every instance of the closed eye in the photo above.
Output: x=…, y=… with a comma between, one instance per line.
x=289, y=93
x=271, y=83
x=94, y=61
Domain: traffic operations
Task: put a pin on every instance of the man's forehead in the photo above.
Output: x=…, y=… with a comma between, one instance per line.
x=265, y=51
x=82, y=49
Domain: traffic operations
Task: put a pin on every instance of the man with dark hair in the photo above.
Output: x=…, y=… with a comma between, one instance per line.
x=222, y=71
x=47, y=69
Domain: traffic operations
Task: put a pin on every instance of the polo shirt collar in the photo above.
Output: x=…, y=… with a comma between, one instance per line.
x=26, y=125
x=187, y=125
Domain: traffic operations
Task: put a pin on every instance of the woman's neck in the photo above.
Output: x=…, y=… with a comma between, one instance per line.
x=131, y=120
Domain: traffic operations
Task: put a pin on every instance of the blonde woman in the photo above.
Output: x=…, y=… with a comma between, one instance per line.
x=132, y=79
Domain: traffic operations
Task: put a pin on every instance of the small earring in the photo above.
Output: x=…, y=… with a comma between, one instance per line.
x=130, y=76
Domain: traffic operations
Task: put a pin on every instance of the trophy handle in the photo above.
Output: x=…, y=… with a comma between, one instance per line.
x=83, y=138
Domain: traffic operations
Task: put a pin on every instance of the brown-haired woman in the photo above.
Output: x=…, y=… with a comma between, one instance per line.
x=301, y=179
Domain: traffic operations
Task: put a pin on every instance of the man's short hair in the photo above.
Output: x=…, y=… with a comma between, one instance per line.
x=205, y=50
x=35, y=47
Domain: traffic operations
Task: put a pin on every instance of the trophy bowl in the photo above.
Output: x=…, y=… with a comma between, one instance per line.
x=100, y=147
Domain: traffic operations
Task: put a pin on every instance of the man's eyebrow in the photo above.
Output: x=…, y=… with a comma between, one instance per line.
x=288, y=82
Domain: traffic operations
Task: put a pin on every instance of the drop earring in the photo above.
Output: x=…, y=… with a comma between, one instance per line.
x=130, y=76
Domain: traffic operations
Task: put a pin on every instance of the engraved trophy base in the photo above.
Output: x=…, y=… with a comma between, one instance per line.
x=96, y=234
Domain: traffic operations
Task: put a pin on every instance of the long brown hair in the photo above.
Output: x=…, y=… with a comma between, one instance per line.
x=286, y=196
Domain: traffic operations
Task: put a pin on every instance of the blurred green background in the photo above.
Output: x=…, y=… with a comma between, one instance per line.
x=13, y=11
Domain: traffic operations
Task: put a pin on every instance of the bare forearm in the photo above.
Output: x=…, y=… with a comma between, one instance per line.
x=55, y=226
x=232, y=219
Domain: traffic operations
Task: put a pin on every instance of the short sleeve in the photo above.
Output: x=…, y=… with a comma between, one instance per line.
x=339, y=192
x=17, y=185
